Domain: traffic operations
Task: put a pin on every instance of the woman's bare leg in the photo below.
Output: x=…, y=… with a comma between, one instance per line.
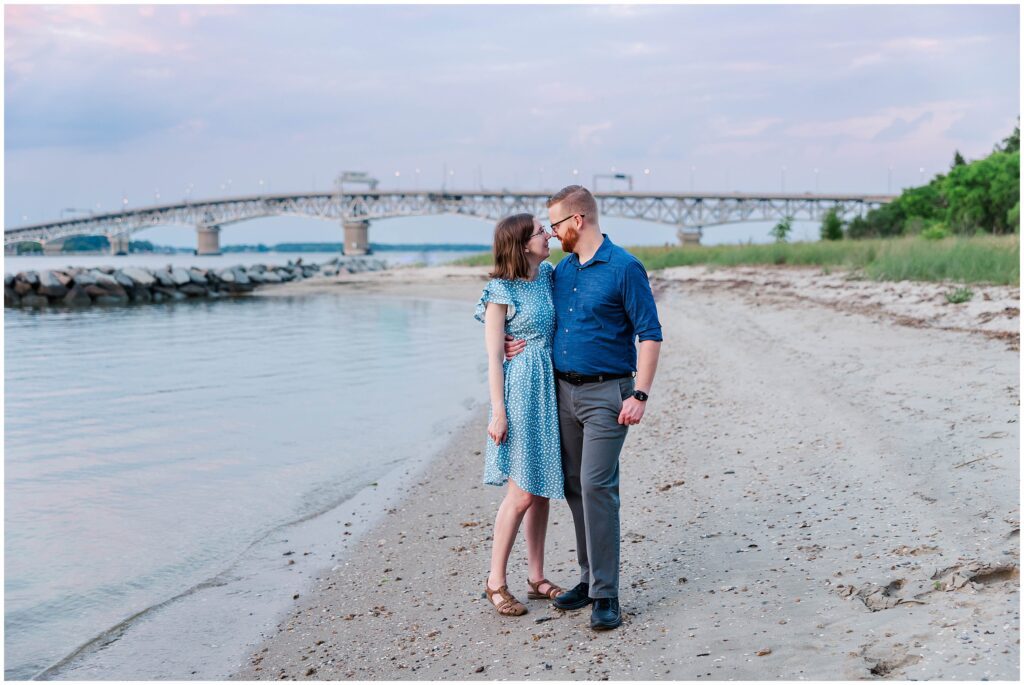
x=506, y=526
x=536, y=525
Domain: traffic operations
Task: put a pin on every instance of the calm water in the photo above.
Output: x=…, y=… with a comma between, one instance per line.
x=148, y=447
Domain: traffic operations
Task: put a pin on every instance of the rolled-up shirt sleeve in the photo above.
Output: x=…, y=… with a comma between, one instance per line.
x=639, y=303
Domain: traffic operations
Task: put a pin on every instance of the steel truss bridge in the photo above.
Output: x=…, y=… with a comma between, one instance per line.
x=690, y=212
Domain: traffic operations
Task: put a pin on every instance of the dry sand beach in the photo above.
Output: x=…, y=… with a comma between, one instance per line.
x=825, y=486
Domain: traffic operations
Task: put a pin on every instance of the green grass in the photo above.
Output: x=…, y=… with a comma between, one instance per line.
x=959, y=296
x=982, y=259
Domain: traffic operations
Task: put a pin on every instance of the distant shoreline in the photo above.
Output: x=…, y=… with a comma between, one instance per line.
x=282, y=248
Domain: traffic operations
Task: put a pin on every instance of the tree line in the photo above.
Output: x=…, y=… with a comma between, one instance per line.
x=982, y=196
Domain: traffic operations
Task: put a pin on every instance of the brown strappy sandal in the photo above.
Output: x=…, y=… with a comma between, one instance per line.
x=509, y=605
x=535, y=592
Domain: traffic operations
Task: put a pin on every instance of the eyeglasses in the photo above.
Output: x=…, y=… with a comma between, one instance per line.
x=552, y=226
x=542, y=231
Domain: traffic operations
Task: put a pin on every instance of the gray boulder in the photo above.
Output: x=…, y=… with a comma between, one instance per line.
x=168, y=293
x=180, y=276
x=123, y=280
x=50, y=285
x=30, y=277
x=109, y=270
x=241, y=278
x=84, y=278
x=197, y=276
x=114, y=290
x=254, y=276
x=226, y=275
x=104, y=280
x=11, y=298
x=77, y=297
x=8, y=278
x=140, y=277
x=33, y=300
x=164, y=278
x=140, y=295
x=271, y=277
x=22, y=287
x=193, y=290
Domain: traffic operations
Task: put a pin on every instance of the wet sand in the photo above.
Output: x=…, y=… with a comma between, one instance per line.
x=824, y=486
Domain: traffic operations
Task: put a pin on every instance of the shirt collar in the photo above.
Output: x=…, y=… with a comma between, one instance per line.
x=603, y=253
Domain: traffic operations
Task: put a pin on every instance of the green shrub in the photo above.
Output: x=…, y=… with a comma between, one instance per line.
x=781, y=230
x=959, y=296
x=832, y=226
x=937, y=231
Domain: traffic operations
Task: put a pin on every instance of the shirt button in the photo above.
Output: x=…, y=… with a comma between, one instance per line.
x=570, y=309
x=566, y=330
x=574, y=289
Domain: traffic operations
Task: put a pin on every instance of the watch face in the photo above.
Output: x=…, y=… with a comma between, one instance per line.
x=640, y=395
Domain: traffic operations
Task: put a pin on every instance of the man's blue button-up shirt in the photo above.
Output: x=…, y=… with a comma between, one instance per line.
x=601, y=307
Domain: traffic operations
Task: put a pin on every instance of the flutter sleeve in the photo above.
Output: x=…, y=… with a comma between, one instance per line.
x=496, y=291
x=547, y=270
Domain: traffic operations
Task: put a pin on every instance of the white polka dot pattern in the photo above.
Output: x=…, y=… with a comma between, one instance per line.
x=531, y=454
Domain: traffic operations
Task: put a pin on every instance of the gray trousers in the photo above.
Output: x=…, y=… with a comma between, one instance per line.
x=591, y=441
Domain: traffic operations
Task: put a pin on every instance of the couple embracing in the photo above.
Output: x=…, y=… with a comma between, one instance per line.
x=566, y=382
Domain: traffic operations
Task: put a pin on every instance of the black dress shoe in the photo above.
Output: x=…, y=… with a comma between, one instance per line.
x=576, y=598
x=605, y=615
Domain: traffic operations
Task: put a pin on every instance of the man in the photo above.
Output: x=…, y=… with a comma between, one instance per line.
x=603, y=301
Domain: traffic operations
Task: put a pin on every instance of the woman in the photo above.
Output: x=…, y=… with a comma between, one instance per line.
x=524, y=447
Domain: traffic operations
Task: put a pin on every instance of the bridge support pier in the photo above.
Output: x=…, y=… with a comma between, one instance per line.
x=357, y=237
x=118, y=244
x=689, y=238
x=208, y=240
x=53, y=247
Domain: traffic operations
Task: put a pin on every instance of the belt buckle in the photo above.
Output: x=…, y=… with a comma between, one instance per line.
x=574, y=378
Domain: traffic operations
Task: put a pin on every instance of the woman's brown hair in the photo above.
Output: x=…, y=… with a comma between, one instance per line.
x=510, y=238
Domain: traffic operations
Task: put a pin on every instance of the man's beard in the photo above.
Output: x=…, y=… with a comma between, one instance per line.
x=569, y=241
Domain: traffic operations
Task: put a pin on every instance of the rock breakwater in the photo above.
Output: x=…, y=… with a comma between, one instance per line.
x=107, y=285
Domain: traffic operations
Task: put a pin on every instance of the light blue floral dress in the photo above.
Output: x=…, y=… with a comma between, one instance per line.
x=531, y=455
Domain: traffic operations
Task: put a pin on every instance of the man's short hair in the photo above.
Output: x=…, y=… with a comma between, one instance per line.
x=577, y=200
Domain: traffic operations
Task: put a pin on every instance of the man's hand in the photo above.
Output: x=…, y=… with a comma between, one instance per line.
x=632, y=411
x=513, y=346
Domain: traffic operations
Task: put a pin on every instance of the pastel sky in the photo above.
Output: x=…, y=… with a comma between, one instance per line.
x=110, y=102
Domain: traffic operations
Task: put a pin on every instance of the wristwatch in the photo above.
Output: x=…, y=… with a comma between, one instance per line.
x=640, y=395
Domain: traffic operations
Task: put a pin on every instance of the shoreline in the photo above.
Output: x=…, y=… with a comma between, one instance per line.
x=732, y=566
x=248, y=596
